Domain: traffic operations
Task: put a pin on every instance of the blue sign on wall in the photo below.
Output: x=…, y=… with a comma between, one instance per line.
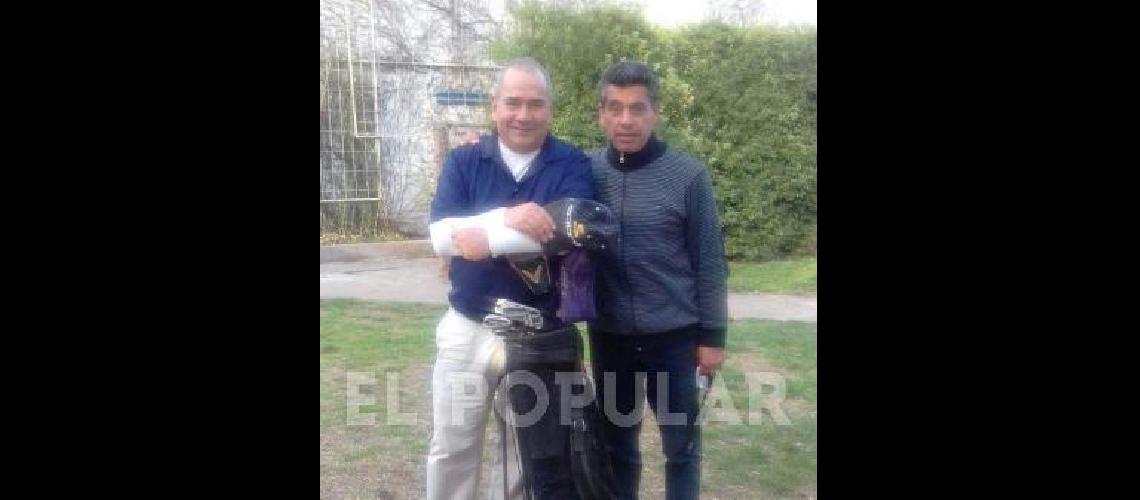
x=460, y=98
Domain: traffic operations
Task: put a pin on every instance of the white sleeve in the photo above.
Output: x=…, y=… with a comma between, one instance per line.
x=501, y=239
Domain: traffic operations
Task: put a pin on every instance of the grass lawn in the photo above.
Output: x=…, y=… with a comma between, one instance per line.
x=794, y=276
x=373, y=341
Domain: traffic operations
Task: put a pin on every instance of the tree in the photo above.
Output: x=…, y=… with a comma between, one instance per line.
x=379, y=60
x=741, y=99
x=740, y=13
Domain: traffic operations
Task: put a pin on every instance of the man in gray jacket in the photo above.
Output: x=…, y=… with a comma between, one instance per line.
x=662, y=289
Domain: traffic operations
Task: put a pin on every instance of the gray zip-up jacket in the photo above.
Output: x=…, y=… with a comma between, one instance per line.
x=666, y=270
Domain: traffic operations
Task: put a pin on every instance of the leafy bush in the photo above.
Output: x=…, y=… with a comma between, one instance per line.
x=743, y=100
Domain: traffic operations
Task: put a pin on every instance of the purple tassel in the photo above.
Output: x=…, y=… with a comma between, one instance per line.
x=576, y=287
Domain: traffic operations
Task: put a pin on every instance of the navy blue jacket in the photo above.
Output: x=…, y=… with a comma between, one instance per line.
x=474, y=180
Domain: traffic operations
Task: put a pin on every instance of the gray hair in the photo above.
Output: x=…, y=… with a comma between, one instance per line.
x=530, y=65
x=630, y=73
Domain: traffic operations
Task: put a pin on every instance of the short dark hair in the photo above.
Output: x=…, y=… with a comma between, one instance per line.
x=629, y=73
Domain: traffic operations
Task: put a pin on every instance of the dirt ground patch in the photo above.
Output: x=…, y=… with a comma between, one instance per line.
x=388, y=462
x=377, y=461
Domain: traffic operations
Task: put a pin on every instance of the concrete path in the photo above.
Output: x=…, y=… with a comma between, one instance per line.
x=401, y=273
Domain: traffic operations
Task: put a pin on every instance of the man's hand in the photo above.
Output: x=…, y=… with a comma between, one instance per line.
x=709, y=359
x=531, y=220
x=471, y=243
x=469, y=138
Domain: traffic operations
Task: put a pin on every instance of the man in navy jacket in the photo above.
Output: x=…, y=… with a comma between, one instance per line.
x=662, y=288
x=505, y=178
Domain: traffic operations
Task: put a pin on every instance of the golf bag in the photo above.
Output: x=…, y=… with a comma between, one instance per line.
x=590, y=467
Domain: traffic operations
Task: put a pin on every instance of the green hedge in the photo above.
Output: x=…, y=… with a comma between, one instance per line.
x=740, y=99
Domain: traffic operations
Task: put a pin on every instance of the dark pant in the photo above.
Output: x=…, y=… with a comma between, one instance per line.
x=673, y=355
x=544, y=444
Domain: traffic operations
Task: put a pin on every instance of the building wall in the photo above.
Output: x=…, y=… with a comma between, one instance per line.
x=384, y=132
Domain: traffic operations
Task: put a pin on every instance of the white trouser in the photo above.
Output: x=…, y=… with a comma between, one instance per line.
x=468, y=365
